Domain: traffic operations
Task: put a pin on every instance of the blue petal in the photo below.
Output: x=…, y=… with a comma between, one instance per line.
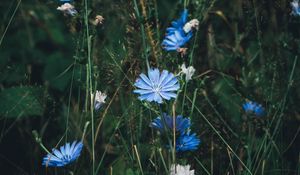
x=163, y=76
x=67, y=154
x=57, y=153
x=62, y=150
x=170, y=48
x=154, y=76
x=167, y=79
x=168, y=43
x=72, y=147
x=187, y=142
x=171, y=83
x=166, y=121
x=146, y=79
x=253, y=107
x=157, y=98
x=170, y=88
x=183, y=18
x=146, y=97
x=140, y=83
x=172, y=38
x=168, y=95
x=67, y=149
x=143, y=91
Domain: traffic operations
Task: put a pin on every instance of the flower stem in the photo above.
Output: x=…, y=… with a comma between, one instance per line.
x=163, y=161
x=138, y=158
x=39, y=141
x=89, y=82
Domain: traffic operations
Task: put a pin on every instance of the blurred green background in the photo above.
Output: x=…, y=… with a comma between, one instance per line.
x=243, y=50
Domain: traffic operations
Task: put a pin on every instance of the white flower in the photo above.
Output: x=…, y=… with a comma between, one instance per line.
x=181, y=170
x=189, y=72
x=192, y=24
x=295, y=8
x=67, y=9
x=99, y=99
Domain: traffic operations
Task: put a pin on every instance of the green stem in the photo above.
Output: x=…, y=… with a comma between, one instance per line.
x=44, y=148
x=183, y=100
x=90, y=84
x=143, y=34
x=222, y=139
x=163, y=160
x=166, y=130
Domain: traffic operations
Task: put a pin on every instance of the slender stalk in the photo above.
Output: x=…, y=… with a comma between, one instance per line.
x=222, y=139
x=84, y=130
x=166, y=130
x=138, y=158
x=39, y=141
x=193, y=102
x=143, y=34
x=183, y=99
x=174, y=133
x=198, y=161
x=163, y=160
x=185, y=4
x=10, y=20
x=90, y=84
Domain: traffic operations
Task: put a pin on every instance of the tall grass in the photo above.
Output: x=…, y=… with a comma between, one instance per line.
x=243, y=51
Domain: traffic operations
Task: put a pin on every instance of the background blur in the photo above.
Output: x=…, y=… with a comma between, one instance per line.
x=243, y=50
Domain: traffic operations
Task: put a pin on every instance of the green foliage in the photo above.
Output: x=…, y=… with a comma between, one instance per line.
x=20, y=102
x=243, y=50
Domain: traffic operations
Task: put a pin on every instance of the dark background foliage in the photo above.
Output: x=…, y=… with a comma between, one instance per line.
x=243, y=50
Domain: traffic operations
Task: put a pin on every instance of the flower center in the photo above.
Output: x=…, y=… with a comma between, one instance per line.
x=156, y=88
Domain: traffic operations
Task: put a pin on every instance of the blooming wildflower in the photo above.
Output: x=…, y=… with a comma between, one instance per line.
x=181, y=170
x=192, y=24
x=188, y=71
x=187, y=142
x=67, y=9
x=179, y=33
x=253, y=107
x=179, y=24
x=175, y=40
x=98, y=20
x=156, y=86
x=67, y=154
x=182, y=124
x=99, y=99
x=295, y=8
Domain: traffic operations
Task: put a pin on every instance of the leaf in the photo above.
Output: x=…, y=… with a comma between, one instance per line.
x=130, y=172
x=228, y=97
x=57, y=71
x=19, y=102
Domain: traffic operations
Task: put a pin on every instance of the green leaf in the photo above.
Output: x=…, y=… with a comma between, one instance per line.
x=19, y=102
x=131, y=172
x=228, y=97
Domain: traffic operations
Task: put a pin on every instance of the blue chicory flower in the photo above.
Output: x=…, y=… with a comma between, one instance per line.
x=175, y=40
x=182, y=124
x=295, y=8
x=179, y=24
x=187, y=142
x=176, y=37
x=67, y=154
x=156, y=86
x=253, y=107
